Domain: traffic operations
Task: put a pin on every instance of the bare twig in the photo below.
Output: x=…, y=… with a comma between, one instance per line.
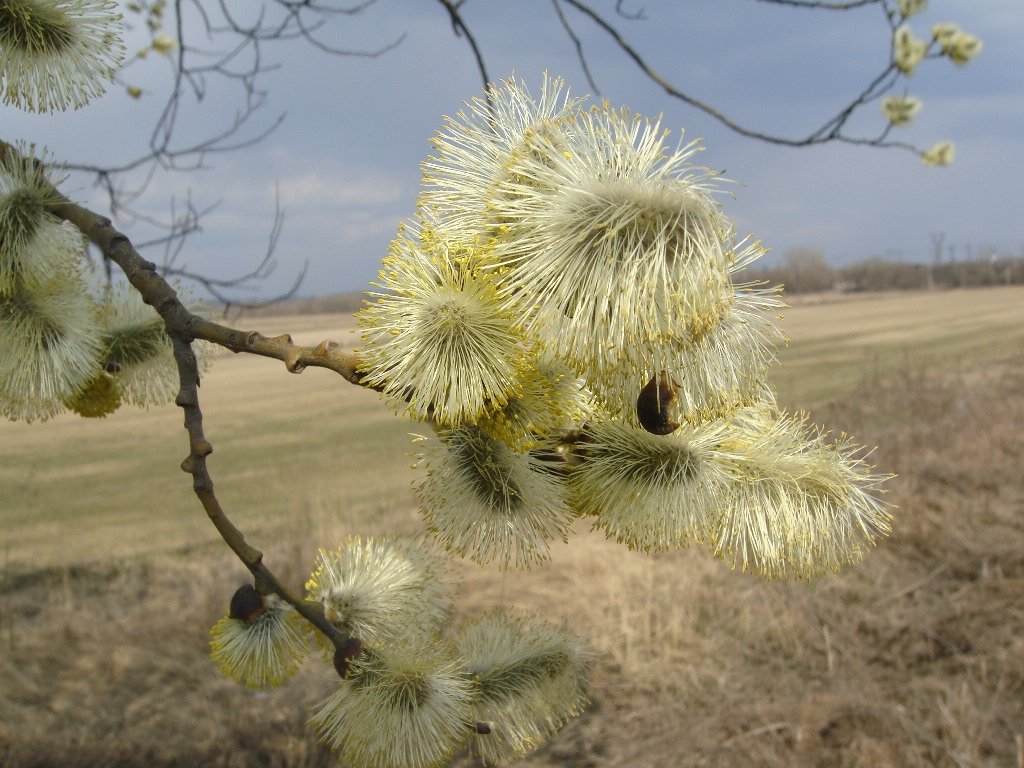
x=578, y=45
x=233, y=53
x=830, y=131
x=460, y=29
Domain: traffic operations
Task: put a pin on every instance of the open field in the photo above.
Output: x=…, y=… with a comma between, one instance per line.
x=110, y=574
x=838, y=346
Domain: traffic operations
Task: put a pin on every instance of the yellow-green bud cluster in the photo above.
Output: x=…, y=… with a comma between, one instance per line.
x=900, y=110
x=908, y=50
x=953, y=42
x=910, y=8
x=939, y=154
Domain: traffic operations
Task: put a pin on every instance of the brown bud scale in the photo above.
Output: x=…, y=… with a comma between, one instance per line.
x=342, y=656
x=654, y=403
x=246, y=604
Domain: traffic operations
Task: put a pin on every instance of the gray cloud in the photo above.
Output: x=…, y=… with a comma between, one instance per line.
x=345, y=161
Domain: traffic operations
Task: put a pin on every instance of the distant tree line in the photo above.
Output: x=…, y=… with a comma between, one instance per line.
x=803, y=270
x=806, y=270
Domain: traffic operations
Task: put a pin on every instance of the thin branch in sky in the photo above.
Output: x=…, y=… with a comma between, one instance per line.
x=830, y=131
x=460, y=29
x=578, y=45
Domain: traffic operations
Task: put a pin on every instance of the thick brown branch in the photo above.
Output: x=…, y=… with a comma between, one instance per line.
x=326, y=354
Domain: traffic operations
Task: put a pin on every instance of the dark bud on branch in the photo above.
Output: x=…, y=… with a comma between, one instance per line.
x=342, y=656
x=654, y=403
x=246, y=604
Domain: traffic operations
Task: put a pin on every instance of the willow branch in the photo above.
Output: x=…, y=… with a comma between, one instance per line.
x=183, y=327
x=296, y=358
x=830, y=131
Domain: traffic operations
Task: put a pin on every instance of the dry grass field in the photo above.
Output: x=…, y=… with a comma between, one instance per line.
x=110, y=574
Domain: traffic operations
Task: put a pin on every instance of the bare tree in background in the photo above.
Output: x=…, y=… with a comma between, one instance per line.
x=806, y=270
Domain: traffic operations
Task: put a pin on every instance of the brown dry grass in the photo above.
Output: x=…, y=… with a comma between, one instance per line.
x=914, y=658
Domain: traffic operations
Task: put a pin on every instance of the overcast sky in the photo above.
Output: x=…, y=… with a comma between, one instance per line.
x=345, y=160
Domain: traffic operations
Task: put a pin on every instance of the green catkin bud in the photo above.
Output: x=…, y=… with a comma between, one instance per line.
x=530, y=678
x=58, y=53
x=263, y=648
x=35, y=246
x=49, y=347
x=403, y=705
x=484, y=501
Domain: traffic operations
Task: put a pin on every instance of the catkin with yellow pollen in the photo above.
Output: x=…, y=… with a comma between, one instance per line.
x=438, y=341
x=375, y=589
